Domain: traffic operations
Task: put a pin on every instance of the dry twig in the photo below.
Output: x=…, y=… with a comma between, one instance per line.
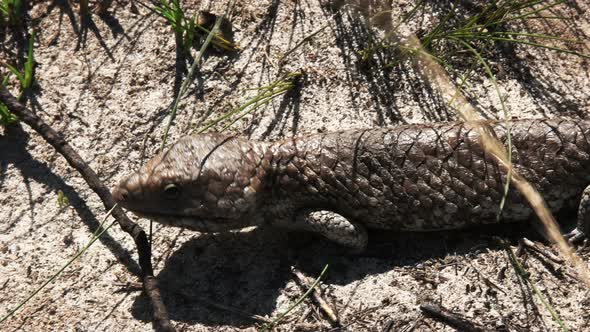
x=161, y=320
x=444, y=315
x=524, y=242
x=328, y=311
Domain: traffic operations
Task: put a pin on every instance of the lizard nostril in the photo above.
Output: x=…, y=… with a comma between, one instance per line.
x=121, y=195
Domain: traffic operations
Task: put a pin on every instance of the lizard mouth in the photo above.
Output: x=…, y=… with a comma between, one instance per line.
x=195, y=223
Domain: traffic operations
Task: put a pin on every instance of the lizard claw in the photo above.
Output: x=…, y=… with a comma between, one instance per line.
x=576, y=236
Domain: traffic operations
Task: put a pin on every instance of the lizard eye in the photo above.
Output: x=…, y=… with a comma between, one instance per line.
x=171, y=191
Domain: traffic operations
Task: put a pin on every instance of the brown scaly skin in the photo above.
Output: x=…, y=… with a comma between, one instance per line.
x=422, y=177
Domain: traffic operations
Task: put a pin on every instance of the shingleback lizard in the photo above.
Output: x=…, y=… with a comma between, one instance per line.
x=419, y=177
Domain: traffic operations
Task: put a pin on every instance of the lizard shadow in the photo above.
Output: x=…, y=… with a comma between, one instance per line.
x=244, y=270
x=247, y=271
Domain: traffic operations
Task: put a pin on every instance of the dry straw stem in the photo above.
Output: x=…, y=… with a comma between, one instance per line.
x=433, y=73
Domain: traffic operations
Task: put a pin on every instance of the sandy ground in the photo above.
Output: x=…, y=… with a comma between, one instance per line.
x=107, y=89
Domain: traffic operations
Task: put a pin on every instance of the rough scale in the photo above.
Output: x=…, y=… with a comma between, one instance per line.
x=414, y=177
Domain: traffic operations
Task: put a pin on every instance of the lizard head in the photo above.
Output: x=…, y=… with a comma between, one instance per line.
x=207, y=182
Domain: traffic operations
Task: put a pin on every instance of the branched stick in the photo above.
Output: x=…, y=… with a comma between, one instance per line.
x=317, y=296
x=161, y=320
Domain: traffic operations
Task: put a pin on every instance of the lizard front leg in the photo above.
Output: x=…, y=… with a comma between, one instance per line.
x=333, y=226
x=330, y=224
x=583, y=226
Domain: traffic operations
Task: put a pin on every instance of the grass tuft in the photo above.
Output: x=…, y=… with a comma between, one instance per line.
x=27, y=76
x=490, y=26
x=482, y=31
x=6, y=118
x=11, y=12
x=186, y=28
x=26, y=79
x=455, y=35
x=265, y=95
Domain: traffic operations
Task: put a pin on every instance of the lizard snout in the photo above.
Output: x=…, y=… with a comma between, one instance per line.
x=128, y=191
x=120, y=195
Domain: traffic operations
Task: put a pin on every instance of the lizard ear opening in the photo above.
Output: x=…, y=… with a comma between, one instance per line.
x=171, y=191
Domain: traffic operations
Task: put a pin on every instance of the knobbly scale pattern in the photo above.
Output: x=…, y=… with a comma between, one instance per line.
x=413, y=178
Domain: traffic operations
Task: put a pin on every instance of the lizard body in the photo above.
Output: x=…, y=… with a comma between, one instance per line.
x=422, y=177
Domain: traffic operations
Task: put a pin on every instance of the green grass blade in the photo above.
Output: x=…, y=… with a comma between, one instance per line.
x=427, y=40
x=272, y=324
x=181, y=25
x=518, y=41
x=189, y=78
x=516, y=6
x=28, y=74
x=491, y=76
x=265, y=95
x=95, y=236
x=536, y=35
x=525, y=276
x=16, y=73
x=533, y=12
x=5, y=80
x=6, y=117
x=541, y=17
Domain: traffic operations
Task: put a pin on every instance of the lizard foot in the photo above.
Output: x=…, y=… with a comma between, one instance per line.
x=576, y=236
x=335, y=227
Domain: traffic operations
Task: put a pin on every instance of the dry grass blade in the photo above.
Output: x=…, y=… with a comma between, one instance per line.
x=429, y=67
x=435, y=74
